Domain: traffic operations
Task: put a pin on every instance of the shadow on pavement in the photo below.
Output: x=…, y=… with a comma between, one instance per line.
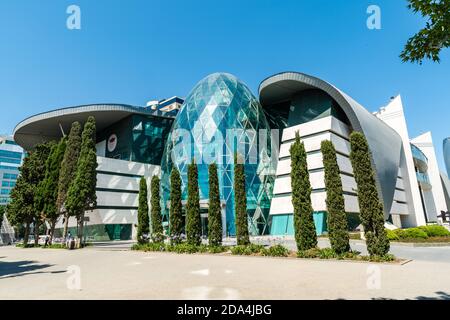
x=20, y=268
x=440, y=295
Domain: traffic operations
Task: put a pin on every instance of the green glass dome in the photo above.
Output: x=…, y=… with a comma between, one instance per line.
x=219, y=118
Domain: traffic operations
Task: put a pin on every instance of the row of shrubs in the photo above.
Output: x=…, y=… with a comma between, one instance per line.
x=252, y=249
x=183, y=247
x=328, y=253
x=260, y=250
x=423, y=232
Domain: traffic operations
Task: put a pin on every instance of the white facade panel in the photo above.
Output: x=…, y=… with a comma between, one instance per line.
x=110, y=181
x=117, y=199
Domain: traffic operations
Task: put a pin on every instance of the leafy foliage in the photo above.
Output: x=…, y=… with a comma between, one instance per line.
x=240, y=202
x=371, y=208
x=156, y=220
x=47, y=192
x=337, y=219
x=175, y=214
x=22, y=209
x=429, y=41
x=247, y=250
x=143, y=219
x=275, y=251
x=419, y=233
x=214, y=212
x=435, y=231
x=304, y=228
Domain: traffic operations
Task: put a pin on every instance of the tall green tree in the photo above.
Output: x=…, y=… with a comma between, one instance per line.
x=48, y=188
x=175, y=212
x=39, y=157
x=214, y=212
x=81, y=195
x=156, y=219
x=143, y=219
x=68, y=170
x=240, y=202
x=22, y=209
x=305, y=230
x=193, y=220
x=435, y=36
x=337, y=218
x=371, y=208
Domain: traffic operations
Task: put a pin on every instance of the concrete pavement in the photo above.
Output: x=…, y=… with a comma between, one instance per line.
x=99, y=273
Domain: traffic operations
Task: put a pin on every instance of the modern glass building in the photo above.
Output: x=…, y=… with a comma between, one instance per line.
x=221, y=118
x=11, y=156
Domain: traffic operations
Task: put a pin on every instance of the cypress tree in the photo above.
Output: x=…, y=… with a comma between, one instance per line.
x=156, y=220
x=214, y=212
x=371, y=208
x=240, y=203
x=68, y=170
x=337, y=219
x=193, y=220
x=48, y=189
x=175, y=212
x=81, y=195
x=143, y=219
x=305, y=230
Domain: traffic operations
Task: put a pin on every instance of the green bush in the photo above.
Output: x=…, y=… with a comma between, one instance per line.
x=247, y=250
x=151, y=246
x=183, y=248
x=217, y=249
x=309, y=254
x=411, y=233
x=275, y=251
x=328, y=253
x=392, y=235
x=435, y=231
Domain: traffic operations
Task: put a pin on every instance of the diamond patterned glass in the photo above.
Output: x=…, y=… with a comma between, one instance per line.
x=219, y=118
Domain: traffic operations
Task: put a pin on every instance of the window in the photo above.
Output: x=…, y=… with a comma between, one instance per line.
x=4, y=191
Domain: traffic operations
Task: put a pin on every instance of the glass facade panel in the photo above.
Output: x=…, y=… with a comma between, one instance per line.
x=219, y=118
x=139, y=138
x=283, y=224
x=101, y=232
x=418, y=154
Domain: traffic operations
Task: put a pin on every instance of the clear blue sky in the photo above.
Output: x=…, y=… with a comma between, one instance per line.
x=134, y=51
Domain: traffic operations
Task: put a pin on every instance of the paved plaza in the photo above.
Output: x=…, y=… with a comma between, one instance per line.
x=115, y=272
